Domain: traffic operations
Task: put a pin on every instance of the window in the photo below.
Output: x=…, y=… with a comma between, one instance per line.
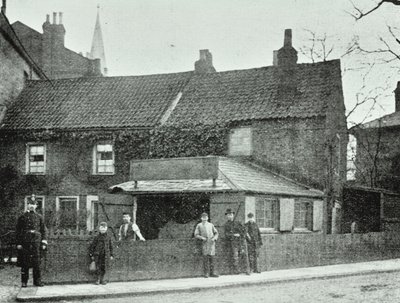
x=303, y=211
x=240, y=142
x=36, y=159
x=267, y=212
x=67, y=209
x=40, y=204
x=103, y=159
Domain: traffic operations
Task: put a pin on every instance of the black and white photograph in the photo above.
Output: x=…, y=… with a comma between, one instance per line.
x=200, y=151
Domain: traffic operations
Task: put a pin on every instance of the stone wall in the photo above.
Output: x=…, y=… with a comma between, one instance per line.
x=67, y=257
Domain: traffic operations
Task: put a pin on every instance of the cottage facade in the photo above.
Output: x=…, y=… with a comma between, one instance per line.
x=70, y=140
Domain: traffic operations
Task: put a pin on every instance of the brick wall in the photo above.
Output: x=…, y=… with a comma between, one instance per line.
x=160, y=259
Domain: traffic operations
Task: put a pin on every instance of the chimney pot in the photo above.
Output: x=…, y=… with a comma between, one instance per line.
x=60, y=15
x=275, y=58
x=3, y=7
x=204, y=64
x=288, y=38
x=54, y=18
x=48, y=18
x=397, y=97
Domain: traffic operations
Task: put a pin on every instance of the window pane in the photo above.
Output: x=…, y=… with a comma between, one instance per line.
x=106, y=156
x=267, y=212
x=302, y=214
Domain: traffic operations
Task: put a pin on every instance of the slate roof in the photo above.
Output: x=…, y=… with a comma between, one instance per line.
x=306, y=90
x=390, y=120
x=101, y=102
x=234, y=176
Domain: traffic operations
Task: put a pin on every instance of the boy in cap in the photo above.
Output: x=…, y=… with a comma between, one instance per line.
x=254, y=242
x=235, y=235
x=206, y=232
x=100, y=251
x=31, y=239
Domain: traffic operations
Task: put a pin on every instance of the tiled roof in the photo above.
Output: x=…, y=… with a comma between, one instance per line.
x=233, y=176
x=260, y=93
x=306, y=90
x=102, y=102
x=390, y=120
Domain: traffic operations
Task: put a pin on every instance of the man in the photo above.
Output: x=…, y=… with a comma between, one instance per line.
x=208, y=234
x=235, y=236
x=128, y=231
x=31, y=239
x=254, y=242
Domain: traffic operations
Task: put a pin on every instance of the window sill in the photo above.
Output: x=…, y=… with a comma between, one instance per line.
x=269, y=231
x=35, y=174
x=302, y=231
x=104, y=174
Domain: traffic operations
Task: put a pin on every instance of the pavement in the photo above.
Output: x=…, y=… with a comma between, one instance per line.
x=135, y=288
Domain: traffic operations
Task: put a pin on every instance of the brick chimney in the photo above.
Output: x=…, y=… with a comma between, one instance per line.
x=397, y=97
x=287, y=55
x=204, y=65
x=52, y=43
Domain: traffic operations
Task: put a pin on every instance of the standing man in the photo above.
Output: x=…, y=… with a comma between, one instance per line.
x=206, y=232
x=31, y=239
x=254, y=242
x=235, y=235
x=128, y=231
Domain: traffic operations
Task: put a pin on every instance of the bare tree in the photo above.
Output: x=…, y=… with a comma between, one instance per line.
x=361, y=13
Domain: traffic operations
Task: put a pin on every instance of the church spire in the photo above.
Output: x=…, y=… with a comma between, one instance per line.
x=97, y=50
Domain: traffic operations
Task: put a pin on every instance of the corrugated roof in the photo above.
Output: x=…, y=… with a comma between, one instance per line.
x=233, y=176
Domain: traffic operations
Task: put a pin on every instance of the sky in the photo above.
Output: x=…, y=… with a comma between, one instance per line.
x=165, y=36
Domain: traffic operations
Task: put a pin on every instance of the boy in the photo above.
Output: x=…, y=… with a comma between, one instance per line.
x=254, y=242
x=100, y=251
x=206, y=232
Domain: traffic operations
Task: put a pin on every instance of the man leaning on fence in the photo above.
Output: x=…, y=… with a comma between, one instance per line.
x=31, y=240
x=129, y=230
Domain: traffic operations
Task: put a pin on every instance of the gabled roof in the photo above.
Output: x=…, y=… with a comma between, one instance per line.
x=305, y=90
x=7, y=31
x=391, y=120
x=101, y=102
x=234, y=176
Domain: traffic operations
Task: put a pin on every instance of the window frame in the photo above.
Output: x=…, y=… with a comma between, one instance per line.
x=58, y=198
x=95, y=166
x=308, y=215
x=276, y=217
x=28, y=161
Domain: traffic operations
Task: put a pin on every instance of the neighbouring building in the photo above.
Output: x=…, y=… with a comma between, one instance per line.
x=377, y=161
x=17, y=66
x=70, y=140
x=48, y=50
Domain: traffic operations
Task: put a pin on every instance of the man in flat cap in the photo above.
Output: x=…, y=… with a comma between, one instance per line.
x=235, y=237
x=208, y=234
x=31, y=239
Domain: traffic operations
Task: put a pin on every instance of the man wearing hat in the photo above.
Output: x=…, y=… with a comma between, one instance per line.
x=31, y=239
x=254, y=242
x=235, y=236
x=208, y=234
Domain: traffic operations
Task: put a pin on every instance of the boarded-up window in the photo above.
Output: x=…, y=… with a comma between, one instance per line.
x=240, y=142
x=267, y=212
x=286, y=207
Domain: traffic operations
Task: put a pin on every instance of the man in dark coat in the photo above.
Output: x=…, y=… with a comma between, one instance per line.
x=31, y=239
x=235, y=237
x=254, y=242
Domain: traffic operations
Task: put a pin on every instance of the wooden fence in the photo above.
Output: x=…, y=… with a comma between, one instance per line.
x=67, y=257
